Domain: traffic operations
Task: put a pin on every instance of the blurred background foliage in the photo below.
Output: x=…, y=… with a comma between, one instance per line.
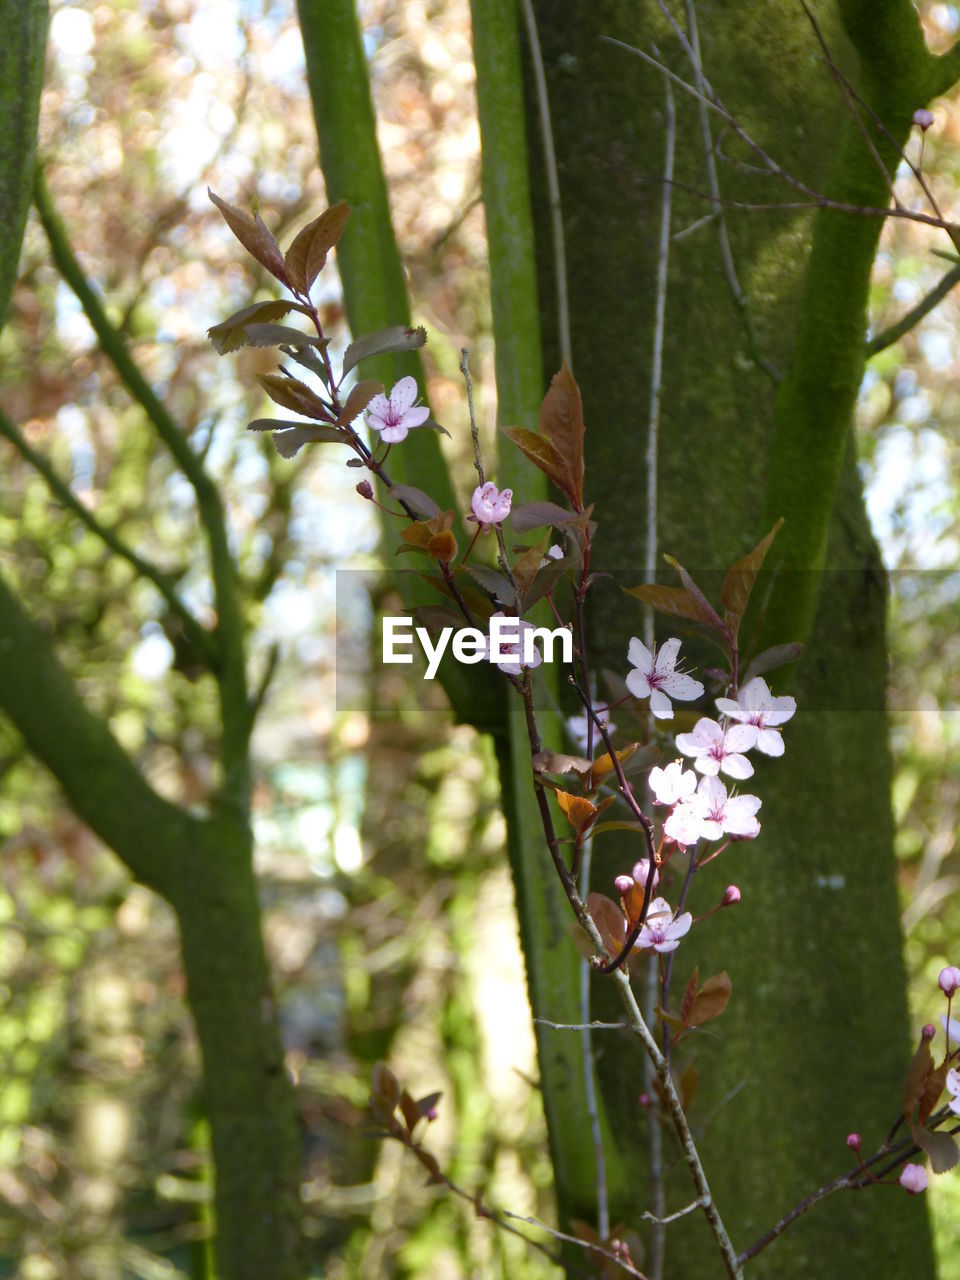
x=380, y=846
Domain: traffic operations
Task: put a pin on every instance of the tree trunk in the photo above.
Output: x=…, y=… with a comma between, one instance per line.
x=815, y=1040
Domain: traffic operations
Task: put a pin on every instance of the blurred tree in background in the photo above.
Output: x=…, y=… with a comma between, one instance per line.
x=387, y=906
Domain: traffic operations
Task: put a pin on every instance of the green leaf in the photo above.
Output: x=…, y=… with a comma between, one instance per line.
x=305, y=258
x=940, y=1147
x=383, y=342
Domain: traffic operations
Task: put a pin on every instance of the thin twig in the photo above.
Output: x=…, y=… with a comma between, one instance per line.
x=888, y=336
x=672, y=1217
x=726, y=252
x=196, y=633
x=657, y=1243
x=583, y=1026
x=553, y=184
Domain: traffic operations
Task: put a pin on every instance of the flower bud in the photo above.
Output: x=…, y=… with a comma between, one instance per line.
x=948, y=980
x=624, y=884
x=731, y=896
x=644, y=1100
x=365, y=489
x=853, y=1141
x=923, y=118
x=928, y=1031
x=914, y=1178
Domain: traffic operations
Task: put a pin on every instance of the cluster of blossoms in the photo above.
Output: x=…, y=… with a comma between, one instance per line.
x=699, y=803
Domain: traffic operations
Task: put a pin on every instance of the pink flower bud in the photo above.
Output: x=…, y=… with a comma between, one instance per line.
x=731, y=896
x=365, y=489
x=914, y=1178
x=644, y=1100
x=624, y=884
x=949, y=980
x=928, y=1031
x=853, y=1141
x=923, y=118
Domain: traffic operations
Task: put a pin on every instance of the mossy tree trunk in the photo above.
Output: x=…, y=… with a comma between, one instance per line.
x=203, y=867
x=815, y=1040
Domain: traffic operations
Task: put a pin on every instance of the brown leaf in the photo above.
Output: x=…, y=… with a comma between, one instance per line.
x=608, y=918
x=254, y=237
x=442, y=546
x=940, y=1147
x=676, y=602
x=289, y=443
x=577, y=810
x=559, y=762
x=604, y=764
x=711, y=617
x=291, y=393
x=740, y=578
x=383, y=1084
x=689, y=995
x=711, y=1000
x=932, y=1089
x=409, y=1111
x=305, y=258
x=230, y=334
x=561, y=422
x=358, y=399
x=544, y=456
x=687, y=1086
x=921, y=1066
x=526, y=568
x=632, y=902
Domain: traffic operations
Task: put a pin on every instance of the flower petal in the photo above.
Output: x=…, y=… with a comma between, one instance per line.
x=733, y=765
x=683, y=688
x=640, y=656
x=403, y=395
x=660, y=705
x=770, y=742
x=667, y=656
x=638, y=684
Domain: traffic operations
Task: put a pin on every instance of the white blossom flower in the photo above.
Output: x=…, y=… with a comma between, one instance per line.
x=578, y=726
x=756, y=705
x=951, y=1028
x=717, y=749
x=914, y=1178
x=656, y=677
x=490, y=506
x=660, y=930
x=672, y=784
x=513, y=664
x=393, y=418
x=684, y=825
x=953, y=1086
x=720, y=813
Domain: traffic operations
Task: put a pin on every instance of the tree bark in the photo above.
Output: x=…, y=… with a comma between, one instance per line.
x=815, y=1040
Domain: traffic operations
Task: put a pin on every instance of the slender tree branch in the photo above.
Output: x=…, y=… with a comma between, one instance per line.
x=553, y=184
x=887, y=337
x=197, y=634
x=710, y=160
x=230, y=671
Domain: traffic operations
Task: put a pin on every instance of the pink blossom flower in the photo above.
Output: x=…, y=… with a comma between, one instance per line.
x=578, y=726
x=720, y=813
x=684, y=825
x=393, y=418
x=756, y=705
x=672, y=784
x=953, y=1086
x=660, y=930
x=719, y=750
x=640, y=872
x=948, y=979
x=656, y=677
x=914, y=1178
x=514, y=664
x=490, y=506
